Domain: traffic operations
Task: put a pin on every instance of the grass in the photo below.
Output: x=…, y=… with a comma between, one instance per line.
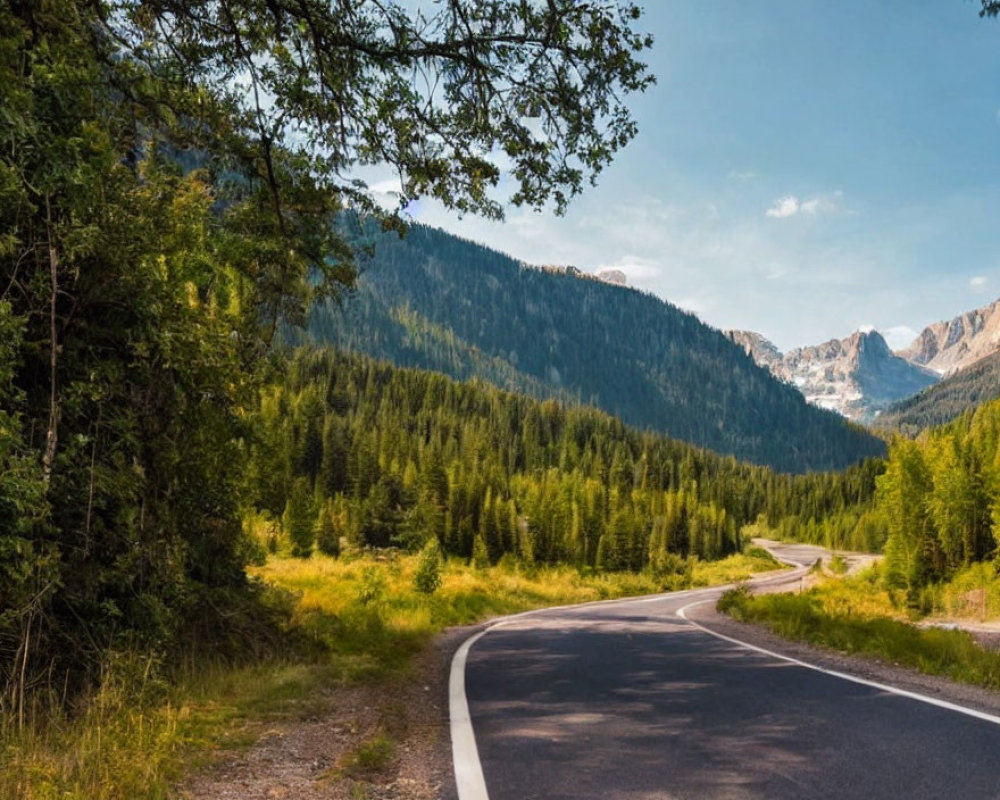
x=371, y=757
x=854, y=615
x=361, y=619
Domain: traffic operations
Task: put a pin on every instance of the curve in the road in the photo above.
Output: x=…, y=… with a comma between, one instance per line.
x=469, y=771
x=465, y=754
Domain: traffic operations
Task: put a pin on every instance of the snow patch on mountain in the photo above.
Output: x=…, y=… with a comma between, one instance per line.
x=857, y=376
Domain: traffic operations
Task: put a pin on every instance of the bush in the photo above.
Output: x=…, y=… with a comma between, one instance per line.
x=838, y=565
x=734, y=602
x=373, y=589
x=427, y=578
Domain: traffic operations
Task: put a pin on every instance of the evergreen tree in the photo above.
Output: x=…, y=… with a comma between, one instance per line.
x=299, y=519
x=427, y=578
x=328, y=534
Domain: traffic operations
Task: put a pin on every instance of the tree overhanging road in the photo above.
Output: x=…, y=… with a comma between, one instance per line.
x=628, y=700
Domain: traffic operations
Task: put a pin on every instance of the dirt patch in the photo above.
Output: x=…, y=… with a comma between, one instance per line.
x=341, y=754
x=891, y=674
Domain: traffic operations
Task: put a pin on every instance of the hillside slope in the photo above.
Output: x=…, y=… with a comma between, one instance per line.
x=945, y=401
x=438, y=302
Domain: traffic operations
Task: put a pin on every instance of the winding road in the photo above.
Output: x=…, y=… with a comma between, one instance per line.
x=629, y=699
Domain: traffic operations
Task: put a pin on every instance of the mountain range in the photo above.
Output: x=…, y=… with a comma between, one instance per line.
x=857, y=376
x=434, y=301
x=860, y=377
x=949, y=346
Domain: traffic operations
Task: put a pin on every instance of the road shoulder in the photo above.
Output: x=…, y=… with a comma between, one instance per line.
x=301, y=759
x=909, y=680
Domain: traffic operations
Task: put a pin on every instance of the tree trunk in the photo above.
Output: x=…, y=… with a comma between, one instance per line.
x=52, y=433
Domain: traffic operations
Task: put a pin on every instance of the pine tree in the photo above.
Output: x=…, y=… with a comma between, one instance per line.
x=427, y=578
x=327, y=534
x=299, y=519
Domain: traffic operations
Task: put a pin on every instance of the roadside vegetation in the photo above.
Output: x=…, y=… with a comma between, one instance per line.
x=358, y=618
x=860, y=615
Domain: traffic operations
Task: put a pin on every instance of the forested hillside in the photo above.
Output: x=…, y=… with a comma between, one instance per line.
x=393, y=457
x=946, y=400
x=940, y=497
x=435, y=301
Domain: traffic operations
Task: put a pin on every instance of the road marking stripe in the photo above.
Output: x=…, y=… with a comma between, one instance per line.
x=464, y=753
x=971, y=712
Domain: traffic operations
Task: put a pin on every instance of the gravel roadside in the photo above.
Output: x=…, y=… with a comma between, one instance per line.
x=304, y=759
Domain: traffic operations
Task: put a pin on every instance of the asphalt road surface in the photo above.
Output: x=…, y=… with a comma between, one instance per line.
x=627, y=700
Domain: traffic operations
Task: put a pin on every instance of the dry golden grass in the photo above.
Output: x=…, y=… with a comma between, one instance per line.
x=135, y=739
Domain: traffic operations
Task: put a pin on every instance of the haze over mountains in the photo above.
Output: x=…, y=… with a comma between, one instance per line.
x=435, y=301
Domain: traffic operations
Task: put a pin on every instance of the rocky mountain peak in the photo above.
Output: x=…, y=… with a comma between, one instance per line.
x=759, y=348
x=868, y=344
x=615, y=276
x=949, y=346
x=856, y=376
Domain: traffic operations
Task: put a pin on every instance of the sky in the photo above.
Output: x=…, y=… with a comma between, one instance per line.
x=804, y=168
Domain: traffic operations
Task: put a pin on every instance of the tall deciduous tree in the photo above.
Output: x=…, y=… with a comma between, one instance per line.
x=170, y=178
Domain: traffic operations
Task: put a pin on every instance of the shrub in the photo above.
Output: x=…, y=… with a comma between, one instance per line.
x=427, y=578
x=734, y=602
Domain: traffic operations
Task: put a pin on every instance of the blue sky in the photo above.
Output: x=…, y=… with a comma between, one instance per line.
x=803, y=168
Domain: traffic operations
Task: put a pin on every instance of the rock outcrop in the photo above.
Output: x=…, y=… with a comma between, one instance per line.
x=947, y=347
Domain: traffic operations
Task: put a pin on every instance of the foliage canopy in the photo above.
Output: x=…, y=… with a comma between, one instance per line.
x=170, y=174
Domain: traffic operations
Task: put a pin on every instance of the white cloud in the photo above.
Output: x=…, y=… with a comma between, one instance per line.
x=978, y=281
x=790, y=205
x=784, y=207
x=898, y=336
x=810, y=206
x=389, y=186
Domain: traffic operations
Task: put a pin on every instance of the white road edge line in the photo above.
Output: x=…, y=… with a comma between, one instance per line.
x=469, y=778
x=464, y=753
x=971, y=712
